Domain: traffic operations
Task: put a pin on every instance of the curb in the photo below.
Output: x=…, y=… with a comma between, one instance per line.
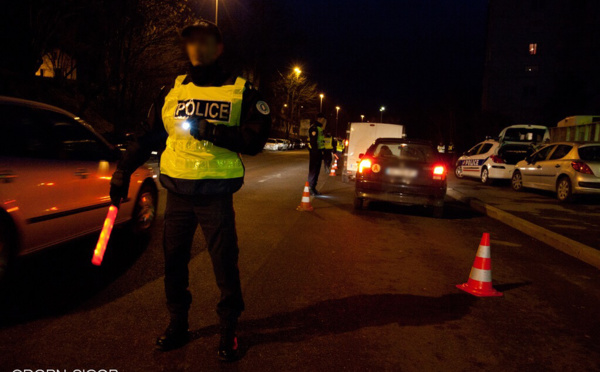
x=571, y=247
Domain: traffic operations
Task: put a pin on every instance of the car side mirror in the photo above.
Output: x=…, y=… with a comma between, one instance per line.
x=360, y=156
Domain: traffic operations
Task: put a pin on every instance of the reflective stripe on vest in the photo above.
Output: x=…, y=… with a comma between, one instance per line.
x=328, y=143
x=187, y=158
x=340, y=146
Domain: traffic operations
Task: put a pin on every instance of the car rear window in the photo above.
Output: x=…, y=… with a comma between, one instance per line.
x=524, y=135
x=405, y=151
x=589, y=153
x=512, y=154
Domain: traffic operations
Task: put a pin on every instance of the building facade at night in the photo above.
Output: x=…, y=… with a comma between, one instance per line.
x=542, y=60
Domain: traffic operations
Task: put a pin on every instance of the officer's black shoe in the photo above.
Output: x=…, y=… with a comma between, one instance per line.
x=314, y=191
x=228, y=345
x=175, y=336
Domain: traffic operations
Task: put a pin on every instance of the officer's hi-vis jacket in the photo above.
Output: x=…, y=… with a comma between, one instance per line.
x=192, y=167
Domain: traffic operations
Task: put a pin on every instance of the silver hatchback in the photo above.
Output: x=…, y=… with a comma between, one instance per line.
x=567, y=168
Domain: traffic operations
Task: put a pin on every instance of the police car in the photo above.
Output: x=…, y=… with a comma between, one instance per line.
x=490, y=160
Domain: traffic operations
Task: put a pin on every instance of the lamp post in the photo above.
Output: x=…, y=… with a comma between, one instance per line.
x=293, y=102
x=216, y=12
x=362, y=118
x=321, y=105
x=337, y=116
x=381, y=110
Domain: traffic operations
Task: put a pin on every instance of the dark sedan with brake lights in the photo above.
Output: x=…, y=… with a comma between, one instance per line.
x=402, y=171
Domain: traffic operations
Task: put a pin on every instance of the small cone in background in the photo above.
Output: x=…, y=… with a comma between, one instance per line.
x=305, y=205
x=335, y=164
x=332, y=173
x=480, y=278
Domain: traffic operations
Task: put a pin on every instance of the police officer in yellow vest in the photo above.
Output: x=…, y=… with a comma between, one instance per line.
x=203, y=122
x=315, y=149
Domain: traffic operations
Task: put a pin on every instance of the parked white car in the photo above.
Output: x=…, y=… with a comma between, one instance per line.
x=55, y=173
x=567, y=168
x=272, y=145
x=488, y=160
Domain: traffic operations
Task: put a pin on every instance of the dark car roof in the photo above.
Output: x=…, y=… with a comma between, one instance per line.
x=403, y=140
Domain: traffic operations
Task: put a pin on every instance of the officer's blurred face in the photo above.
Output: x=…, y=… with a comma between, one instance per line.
x=203, y=49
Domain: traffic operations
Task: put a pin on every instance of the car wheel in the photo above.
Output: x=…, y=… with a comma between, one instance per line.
x=144, y=212
x=516, y=181
x=564, y=191
x=485, y=176
x=458, y=171
x=359, y=203
x=438, y=211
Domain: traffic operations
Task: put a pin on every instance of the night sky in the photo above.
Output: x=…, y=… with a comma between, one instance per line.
x=364, y=54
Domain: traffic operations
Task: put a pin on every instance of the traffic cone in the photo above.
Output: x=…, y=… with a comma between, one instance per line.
x=480, y=278
x=332, y=173
x=335, y=164
x=305, y=205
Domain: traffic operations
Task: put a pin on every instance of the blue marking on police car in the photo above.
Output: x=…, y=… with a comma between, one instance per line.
x=473, y=162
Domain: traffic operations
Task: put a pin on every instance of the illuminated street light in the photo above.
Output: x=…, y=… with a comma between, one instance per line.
x=381, y=110
x=337, y=114
x=362, y=118
x=321, y=105
x=297, y=71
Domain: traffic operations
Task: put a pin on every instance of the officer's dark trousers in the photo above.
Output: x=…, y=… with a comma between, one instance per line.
x=216, y=217
x=314, y=167
x=327, y=156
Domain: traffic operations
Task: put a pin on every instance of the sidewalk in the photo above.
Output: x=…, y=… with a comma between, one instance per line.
x=572, y=228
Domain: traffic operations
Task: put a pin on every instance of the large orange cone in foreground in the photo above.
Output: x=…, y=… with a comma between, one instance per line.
x=480, y=278
x=305, y=205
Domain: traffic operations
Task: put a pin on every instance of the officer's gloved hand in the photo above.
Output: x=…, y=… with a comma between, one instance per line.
x=201, y=129
x=119, y=186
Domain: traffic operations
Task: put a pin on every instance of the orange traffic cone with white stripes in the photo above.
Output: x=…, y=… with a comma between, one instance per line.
x=480, y=278
x=335, y=163
x=332, y=172
x=305, y=205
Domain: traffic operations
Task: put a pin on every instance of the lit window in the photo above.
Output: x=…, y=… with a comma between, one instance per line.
x=533, y=49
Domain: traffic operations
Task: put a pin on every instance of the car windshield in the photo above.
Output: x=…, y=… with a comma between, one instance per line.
x=589, y=153
x=405, y=151
x=524, y=135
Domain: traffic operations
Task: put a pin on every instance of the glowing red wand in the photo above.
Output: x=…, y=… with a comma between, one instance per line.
x=109, y=222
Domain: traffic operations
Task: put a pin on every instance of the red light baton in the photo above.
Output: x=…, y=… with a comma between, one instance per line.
x=109, y=222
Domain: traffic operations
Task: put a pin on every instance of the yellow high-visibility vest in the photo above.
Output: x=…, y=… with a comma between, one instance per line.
x=340, y=146
x=328, y=143
x=187, y=158
x=320, y=139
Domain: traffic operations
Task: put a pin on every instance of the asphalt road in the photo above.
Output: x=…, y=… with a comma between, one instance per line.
x=328, y=290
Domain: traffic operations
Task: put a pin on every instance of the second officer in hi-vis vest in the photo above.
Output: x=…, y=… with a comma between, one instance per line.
x=203, y=123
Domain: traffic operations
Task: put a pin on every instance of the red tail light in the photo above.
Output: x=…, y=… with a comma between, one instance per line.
x=439, y=172
x=581, y=167
x=497, y=159
x=364, y=165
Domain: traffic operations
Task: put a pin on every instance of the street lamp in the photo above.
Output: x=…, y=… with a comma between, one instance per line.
x=362, y=118
x=337, y=114
x=321, y=105
x=297, y=71
x=381, y=110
